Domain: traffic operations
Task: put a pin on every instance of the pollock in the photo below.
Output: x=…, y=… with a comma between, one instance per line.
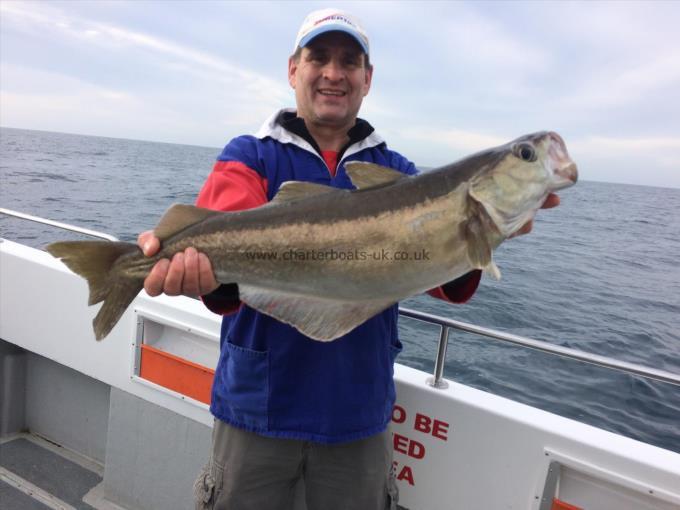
x=325, y=260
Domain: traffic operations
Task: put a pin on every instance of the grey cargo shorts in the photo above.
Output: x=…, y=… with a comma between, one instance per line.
x=251, y=472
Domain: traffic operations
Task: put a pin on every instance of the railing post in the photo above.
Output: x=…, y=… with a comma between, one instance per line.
x=437, y=381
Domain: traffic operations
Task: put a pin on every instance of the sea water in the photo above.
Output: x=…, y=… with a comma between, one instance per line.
x=599, y=273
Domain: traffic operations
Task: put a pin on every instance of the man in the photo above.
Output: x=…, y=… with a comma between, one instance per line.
x=288, y=407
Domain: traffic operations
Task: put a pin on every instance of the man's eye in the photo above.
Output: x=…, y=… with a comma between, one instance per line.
x=317, y=59
x=352, y=60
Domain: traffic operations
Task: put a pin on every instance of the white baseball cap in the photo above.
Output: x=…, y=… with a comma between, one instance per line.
x=328, y=20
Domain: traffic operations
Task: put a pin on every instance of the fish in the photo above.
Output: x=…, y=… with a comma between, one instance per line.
x=324, y=260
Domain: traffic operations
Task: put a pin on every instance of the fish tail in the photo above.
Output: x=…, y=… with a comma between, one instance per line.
x=94, y=261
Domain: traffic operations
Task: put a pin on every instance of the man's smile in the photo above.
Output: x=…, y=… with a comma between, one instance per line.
x=332, y=92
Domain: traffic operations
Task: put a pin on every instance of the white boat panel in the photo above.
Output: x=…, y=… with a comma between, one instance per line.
x=588, y=485
x=44, y=310
x=494, y=454
x=185, y=340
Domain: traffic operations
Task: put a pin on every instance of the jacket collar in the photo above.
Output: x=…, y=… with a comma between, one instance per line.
x=286, y=127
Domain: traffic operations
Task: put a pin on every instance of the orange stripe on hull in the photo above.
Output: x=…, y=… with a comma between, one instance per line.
x=561, y=505
x=176, y=374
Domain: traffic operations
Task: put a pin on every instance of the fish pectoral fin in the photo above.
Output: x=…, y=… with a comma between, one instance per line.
x=180, y=216
x=479, y=251
x=492, y=270
x=369, y=175
x=294, y=190
x=318, y=318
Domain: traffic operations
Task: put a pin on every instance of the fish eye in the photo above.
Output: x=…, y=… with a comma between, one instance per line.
x=526, y=152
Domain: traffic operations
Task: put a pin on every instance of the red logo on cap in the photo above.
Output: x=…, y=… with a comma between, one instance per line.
x=335, y=16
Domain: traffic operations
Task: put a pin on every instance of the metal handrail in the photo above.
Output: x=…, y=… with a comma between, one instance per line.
x=566, y=352
x=58, y=224
x=445, y=324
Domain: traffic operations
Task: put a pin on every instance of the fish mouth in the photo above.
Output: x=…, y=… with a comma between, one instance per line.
x=568, y=173
x=563, y=168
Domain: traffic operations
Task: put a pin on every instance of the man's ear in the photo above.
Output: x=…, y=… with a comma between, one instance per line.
x=292, y=69
x=368, y=79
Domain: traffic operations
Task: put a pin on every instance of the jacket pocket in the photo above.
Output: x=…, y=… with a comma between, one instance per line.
x=246, y=376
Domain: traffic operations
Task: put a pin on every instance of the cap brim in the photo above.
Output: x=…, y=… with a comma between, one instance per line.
x=332, y=28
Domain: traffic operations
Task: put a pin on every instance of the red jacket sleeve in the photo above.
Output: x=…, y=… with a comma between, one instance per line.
x=459, y=290
x=232, y=186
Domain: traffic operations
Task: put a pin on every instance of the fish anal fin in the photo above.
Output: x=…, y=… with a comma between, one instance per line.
x=294, y=190
x=317, y=318
x=369, y=175
x=180, y=216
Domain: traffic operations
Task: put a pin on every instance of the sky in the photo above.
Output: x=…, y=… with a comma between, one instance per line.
x=450, y=78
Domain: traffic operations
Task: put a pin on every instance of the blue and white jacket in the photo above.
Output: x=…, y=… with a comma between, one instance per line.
x=270, y=378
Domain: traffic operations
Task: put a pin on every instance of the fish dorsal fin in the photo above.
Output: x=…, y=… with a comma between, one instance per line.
x=369, y=175
x=178, y=217
x=294, y=190
x=322, y=319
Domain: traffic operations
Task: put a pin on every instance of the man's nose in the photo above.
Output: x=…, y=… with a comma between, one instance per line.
x=333, y=71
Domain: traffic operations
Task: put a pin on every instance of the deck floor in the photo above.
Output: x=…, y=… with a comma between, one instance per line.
x=35, y=476
x=12, y=498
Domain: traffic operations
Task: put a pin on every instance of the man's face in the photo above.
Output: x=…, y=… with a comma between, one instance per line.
x=330, y=80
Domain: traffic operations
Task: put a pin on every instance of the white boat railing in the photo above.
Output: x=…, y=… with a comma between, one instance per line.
x=547, y=347
x=445, y=324
x=58, y=224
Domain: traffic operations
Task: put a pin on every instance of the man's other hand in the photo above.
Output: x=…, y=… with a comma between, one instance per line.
x=551, y=201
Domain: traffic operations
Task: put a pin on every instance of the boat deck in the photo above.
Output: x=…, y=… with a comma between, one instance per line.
x=36, y=474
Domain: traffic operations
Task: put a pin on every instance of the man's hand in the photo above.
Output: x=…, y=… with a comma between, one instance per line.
x=189, y=273
x=551, y=201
